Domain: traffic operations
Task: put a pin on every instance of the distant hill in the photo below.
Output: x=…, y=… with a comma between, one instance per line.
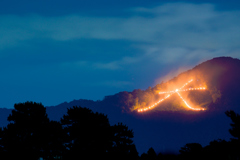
x=170, y=126
x=220, y=76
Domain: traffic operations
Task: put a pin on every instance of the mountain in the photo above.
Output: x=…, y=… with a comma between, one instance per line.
x=222, y=78
x=170, y=125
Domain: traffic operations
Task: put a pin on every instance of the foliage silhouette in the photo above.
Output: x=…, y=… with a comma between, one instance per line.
x=30, y=134
x=83, y=134
x=191, y=148
x=122, y=143
x=217, y=149
x=87, y=132
x=235, y=130
x=191, y=151
x=90, y=133
x=150, y=155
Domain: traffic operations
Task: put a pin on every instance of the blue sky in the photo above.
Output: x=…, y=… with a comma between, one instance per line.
x=56, y=51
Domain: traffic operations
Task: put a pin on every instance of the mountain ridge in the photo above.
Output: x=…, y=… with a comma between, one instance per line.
x=165, y=129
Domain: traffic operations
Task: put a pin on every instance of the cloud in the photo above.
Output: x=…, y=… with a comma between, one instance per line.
x=112, y=65
x=117, y=84
x=172, y=24
x=185, y=56
x=183, y=33
x=109, y=65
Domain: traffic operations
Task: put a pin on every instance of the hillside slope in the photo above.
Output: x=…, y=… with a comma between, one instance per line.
x=170, y=125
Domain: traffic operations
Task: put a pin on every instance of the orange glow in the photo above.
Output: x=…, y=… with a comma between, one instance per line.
x=195, y=109
x=172, y=92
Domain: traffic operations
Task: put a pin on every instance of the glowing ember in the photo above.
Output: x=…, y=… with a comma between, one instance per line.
x=172, y=92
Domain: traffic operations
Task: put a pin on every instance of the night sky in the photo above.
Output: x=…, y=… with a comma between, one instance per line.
x=52, y=51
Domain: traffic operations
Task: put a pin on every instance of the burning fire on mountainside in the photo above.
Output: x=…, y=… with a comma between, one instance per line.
x=210, y=87
x=176, y=91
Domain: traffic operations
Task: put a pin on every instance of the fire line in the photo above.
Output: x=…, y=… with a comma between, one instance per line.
x=172, y=92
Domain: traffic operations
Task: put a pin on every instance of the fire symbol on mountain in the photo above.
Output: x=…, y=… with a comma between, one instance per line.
x=177, y=91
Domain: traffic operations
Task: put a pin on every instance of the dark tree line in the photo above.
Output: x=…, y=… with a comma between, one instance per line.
x=81, y=134
x=216, y=150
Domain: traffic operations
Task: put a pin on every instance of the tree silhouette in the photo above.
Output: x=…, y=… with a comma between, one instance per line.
x=191, y=148
x=150, y=155
x=90, y=136
x=218, y=149
x=52, y=137
x=123, y=146
x=235, y=130
x=30, y=134
x=81, y=134
x=191, y=151
x=88, y=133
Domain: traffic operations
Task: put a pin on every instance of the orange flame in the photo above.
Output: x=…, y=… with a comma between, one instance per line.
x=172, y=92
